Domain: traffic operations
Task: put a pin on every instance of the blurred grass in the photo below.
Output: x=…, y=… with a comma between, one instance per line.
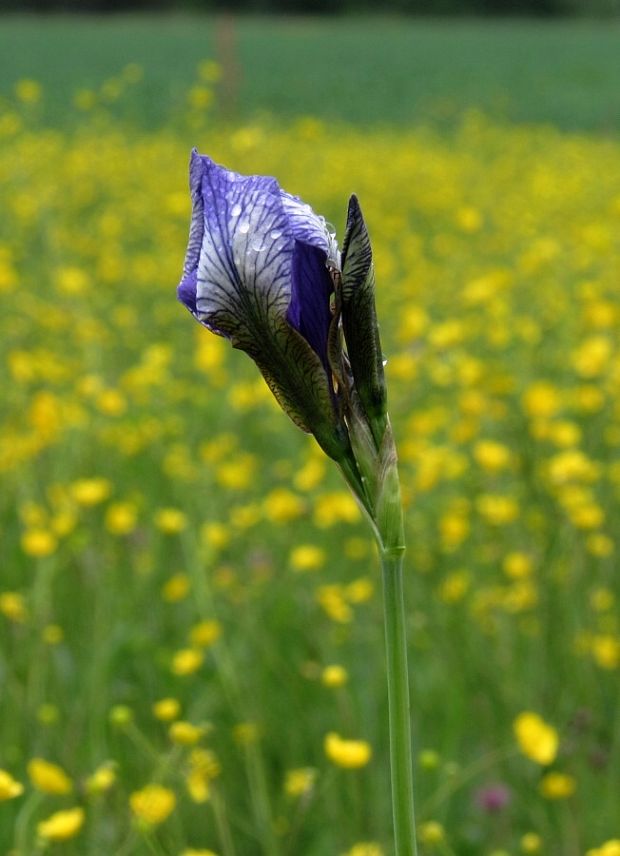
x=358, y=70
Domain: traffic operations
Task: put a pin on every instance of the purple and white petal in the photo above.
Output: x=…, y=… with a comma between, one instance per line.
x=243, y=269
x=196, y=228
x=310, y=228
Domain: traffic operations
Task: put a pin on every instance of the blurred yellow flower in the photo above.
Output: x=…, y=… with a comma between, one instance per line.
x=153, y=804
x=334, y=676
x=517, y=565
x=187, y=661
x=102, y=779
x=28, y=91
x=121, y=518
x=349, y=754
x=609, y=848
x=491, y=455
x=365, y=848
x=13, y=607
x=186, y=733
x=531, y=842
x=176, y=588
x=307, y=557
x=193, y=852
x=170, y=521
x=90, y=492
x=537, y=740
x=48, y=778
x=299, y=781
x=166, y=709
x=62, y=825
x=557, y=786
x=9, y=787
x=282, y=505
x=205, y=633
x=38, y=543
x=431, y=832
x=333, y=508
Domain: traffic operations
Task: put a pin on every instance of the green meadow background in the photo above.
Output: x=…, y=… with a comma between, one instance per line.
x=190, y=606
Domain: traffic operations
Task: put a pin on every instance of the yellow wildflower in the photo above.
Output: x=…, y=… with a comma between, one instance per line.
x=299, y=781
x=246, y=733
x=166, y=709
x=541, y=399
x=537, y=740
x=176, y=588
x=349, y=754
x=62, y=825
x=205, y=633
x=9, y=787
x=121, y=518
x=153, y=804
x=431, y=832
x=52, y=634
x=496, y=509
x=38, y=543
x=193, y=852
x=187, y=661
x=334, y=676
x=186, y=733
x=48, y=778
x=606, y=650
x=365, y=848
x=13, y=607
x=337, y=507
x=531, y=842
x=89, y=492
x=28, y=91
x=282, y=506
x=170, y=521
x=517, y=565
x=491, y=455
x=557, y=786
x=307, y=557
x=609, y=848
x=102, y=779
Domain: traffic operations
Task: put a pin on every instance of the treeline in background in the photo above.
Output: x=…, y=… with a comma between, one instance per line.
x=413, y=7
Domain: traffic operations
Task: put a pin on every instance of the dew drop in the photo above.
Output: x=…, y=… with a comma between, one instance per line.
x=257, y=245
x=275, y=234
x=235, y=210
x=244, y=228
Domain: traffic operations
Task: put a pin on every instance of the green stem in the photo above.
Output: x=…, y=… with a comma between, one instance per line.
x=401, y=762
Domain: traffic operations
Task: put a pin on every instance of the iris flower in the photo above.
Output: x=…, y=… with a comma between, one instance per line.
x=263, y=270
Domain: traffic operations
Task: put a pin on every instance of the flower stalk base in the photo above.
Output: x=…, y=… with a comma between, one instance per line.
x=401, y=761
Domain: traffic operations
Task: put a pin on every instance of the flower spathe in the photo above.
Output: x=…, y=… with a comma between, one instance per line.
x=263, y=270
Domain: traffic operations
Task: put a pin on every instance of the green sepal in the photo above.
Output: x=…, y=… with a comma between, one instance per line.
x=297, y=379
x=389, y=508
x=359, y=321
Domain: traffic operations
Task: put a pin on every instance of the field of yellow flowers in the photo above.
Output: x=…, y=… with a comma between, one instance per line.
x=191, y=649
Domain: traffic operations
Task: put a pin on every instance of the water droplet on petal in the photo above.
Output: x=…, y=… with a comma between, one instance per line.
x=244, y=228
x=257, y=244
x=235, y=210
x=275, y=234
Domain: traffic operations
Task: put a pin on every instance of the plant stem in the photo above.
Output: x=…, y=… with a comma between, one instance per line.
x=401, y=762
